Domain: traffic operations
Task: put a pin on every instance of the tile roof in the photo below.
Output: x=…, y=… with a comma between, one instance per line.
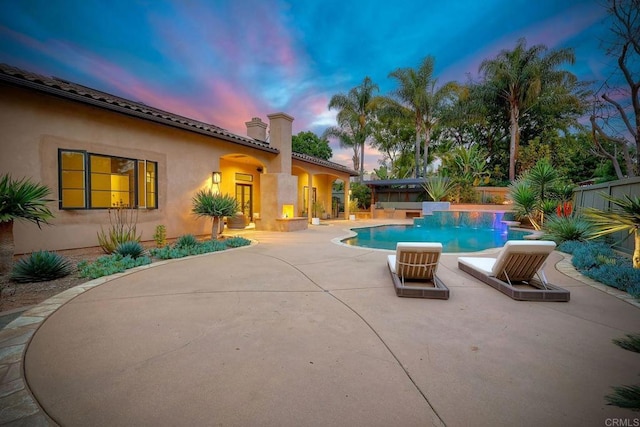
x=326, y=163
x=73, y=91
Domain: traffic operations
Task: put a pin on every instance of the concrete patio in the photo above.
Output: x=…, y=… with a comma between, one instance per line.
x=298, y=330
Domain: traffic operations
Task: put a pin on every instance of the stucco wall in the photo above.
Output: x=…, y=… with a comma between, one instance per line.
x=34, y=126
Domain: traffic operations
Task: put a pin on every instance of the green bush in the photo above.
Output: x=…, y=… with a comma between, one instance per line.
x=109, y=264
x=236, y=242
x=599, y=262
x=41, y=266
x=563, y=228
x=181, y=250
x=186, y=240
x=569, y=246
x=131, y=248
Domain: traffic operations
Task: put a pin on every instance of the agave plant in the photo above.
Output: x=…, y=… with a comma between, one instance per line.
x=131, y=248
x=624, y=216
x=215, y=206
x=565, y=228
x=186, y=241
x=438, y=187
x=19, y=200
x=41, y=266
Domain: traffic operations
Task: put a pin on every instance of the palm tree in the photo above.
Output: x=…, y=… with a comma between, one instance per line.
x=624, y=217
x=418, y=98
x=207, y=203
x=346, y=133
x=354, y=116
x=19, y=200
x=520, y=78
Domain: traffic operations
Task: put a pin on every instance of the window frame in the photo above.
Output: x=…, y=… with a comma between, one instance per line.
x=86, y=155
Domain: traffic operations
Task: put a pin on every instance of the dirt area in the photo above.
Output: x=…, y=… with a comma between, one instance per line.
x=16, y=295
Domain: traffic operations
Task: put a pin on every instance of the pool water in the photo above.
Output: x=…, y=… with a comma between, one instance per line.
x=457, y=231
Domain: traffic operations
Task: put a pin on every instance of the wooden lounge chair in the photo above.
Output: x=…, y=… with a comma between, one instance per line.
x=515, y=269
x=413, y=270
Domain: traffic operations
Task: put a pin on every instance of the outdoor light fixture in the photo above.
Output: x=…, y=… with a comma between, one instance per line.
x=216, y=177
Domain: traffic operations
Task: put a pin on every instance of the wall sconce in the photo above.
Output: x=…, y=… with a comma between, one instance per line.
x=216, y=177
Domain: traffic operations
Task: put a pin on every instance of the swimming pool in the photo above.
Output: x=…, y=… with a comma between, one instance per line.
x=457, y=231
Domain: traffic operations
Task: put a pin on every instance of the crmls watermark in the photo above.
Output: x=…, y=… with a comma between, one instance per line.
x=622, y=422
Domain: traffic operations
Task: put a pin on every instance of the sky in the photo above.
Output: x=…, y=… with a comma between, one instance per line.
x=224, y=62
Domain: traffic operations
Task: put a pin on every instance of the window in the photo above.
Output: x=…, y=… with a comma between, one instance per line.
x=97, y=181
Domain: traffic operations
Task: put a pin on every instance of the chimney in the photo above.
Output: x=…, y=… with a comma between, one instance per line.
x=256, y=129
x=280, y=128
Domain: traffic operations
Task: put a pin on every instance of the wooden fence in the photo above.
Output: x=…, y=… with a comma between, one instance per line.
x=591, y=196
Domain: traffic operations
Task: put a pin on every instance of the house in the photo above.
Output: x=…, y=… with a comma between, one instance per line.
x=96, y=151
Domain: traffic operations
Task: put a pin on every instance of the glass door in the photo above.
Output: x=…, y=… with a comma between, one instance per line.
x=244, y=198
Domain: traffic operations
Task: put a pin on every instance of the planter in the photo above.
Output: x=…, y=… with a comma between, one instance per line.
x=315, y=221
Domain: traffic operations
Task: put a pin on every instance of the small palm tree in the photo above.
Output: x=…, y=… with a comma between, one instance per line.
x=624, y=217
x=215, y=206
x=19, y=200
x=525, y=202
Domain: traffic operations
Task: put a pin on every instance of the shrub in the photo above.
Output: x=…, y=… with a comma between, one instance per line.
x=122, y=229
x=236, y=242
x=181, y=249
x=186, y=240
x=625, y=397
x=569, y=246
x=160, y=236
x=630, y=342
x=585, y=257
x=599, y=262
x=563, y=228
x=131, y=248
x=41, y=266
x=109, y=264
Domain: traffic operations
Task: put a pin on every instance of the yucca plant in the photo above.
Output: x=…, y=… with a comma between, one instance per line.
x=212, y=205
x=131, y=248
x=525, y=202
x=19, y=200
x=438, y=187
x=41, y=266
x=624, y=215
x=564, y=228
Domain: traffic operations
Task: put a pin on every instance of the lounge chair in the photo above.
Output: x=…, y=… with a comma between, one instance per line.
x=413, y=270
x=515, y=269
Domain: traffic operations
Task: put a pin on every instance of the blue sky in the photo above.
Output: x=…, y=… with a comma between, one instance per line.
x=224, y=62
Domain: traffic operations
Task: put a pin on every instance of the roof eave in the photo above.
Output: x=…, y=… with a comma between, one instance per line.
x=60, y=93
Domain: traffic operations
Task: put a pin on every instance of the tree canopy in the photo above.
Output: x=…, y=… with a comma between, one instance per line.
x=309, y=143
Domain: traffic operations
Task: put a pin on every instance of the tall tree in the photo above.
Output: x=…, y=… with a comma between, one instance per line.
x=309, y=143
x=355, y=110
x=417, y=95
x=521, y=78
x=393, y=136
x=625, y=103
